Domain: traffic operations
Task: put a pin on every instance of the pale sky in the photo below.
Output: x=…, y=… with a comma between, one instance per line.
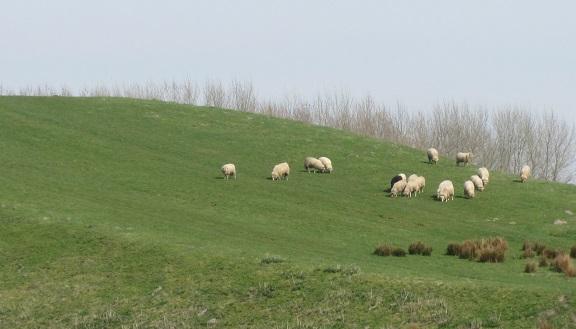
x=489, y=53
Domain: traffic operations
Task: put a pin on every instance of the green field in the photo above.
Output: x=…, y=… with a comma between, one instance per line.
x=113, y=214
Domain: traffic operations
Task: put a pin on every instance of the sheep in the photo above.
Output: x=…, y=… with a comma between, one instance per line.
x=432, y=155
x=484, y=175
x=445, y=191
x=281, y=170
x=469, y=189
x=327, y=164
x=463, y=157
x=228, y=170
x=524, y=173
x=421, y=183
x=397, y=178
x=314, y=164
x=397, y=188
x=477, y=182
x=411, y=187
x=412, y=177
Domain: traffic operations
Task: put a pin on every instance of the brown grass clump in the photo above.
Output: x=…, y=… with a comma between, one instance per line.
x=552, y=253
x=383, y=250
x=562, y=263
x=453, y=249
x=416, y=248
x=484, y=250
x=539, y=248
x=427, y=251
x=528, y=253
x=573, y=251
x=398, y=252
x=530, y=267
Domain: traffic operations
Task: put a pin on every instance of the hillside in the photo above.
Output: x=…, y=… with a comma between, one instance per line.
x=114, y=213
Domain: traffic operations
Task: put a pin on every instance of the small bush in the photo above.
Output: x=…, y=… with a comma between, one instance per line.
x=483, y=250
x=562, y=263
x=398, y=252
x=419, y=248
x=271, y=259
x=383, y=250
x=453, y=249
x=573, y=251
x=416, y=248
x=530, y=267
x=427, y=251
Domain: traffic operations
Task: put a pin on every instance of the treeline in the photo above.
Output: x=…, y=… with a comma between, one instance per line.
x=501, y=139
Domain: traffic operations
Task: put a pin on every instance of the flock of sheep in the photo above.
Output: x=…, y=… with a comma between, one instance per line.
x=400, y=184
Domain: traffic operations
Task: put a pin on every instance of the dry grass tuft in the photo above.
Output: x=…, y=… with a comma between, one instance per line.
x=490, y=250
x=453, y=249
x=573, y=251
x=419, y=248
x=383, y=250
x=398, y=252
x=562, y=263
x=530, y=267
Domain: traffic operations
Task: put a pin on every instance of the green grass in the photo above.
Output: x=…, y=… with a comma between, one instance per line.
x=113, y=213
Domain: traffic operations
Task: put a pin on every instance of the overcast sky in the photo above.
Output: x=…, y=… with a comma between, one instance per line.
x=489, y=53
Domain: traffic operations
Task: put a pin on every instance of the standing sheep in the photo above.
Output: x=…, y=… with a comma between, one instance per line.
x=462, y=157
x=397, y=188
x=411, y=188
x=397, y=178
x=469, y=189
x=484, y=175
x=281, y=170
x=228, y=170
x=477, y=182
x=327, y=164
x=524, y=173
x=314, y=164
x=445, y=191
x=421, y=183
x=432, y=155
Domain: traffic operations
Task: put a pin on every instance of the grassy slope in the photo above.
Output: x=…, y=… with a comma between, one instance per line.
x=105, y=200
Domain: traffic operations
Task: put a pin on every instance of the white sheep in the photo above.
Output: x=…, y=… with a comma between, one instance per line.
x=397, y=188
x=281, y=170
x=469, y=189
x=314, y=164
x=484, y=175
x=477, y=182
x=412, y=177
x=327, y=164
x=421, y=183
x=411, y=188
x=445, y=191
x=525, y=173
x=228, y=170
x=462, y=157
x=432, y=155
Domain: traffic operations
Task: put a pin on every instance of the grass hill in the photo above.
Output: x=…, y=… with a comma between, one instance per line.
x=113, y=214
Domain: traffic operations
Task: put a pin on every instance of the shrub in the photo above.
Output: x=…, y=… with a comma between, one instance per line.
x=416, y=248
x=453, y=249
x=427, y=251
x=562, y=263
x=383, y=250
x=530, y=267
x=483, y=250
x=398, y=252
x=573, y=251
x=419, y=248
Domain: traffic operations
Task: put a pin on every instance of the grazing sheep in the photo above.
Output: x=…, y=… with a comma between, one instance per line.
x=524, y=173
x=432, y=155
x=397, y=178
x=445, y=191
x=412, y=177
x=327, y=164
x=228, y=170
x=411, y=188
x=314, y=164
x=421, y=183
x=281, y=170
x=477, y=182
x=463, y=157
x=469, y=189
x=397, y=188
x=484, y=175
